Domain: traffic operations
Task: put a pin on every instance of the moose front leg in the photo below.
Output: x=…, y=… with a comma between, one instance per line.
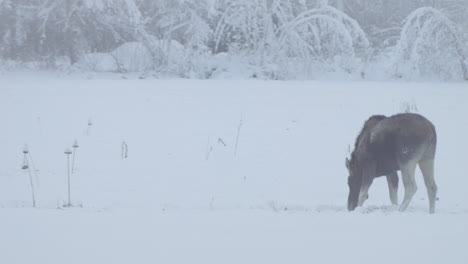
x=364, y=193
x=392, y=180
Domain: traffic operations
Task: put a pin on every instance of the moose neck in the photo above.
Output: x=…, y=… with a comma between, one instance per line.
x=366, y=165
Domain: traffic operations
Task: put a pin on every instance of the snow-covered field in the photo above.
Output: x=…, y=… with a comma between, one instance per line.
x=185, y=194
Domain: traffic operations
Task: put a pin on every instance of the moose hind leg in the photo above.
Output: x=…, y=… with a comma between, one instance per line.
x=427, y=169
x=407, y=175
x=392, y=180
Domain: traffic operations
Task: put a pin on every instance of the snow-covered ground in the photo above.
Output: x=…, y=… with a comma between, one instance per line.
x=185, y=195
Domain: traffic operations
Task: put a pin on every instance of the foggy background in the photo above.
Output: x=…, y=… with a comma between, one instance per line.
x=267, y=39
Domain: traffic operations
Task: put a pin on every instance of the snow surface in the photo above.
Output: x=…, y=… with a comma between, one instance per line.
x=183, y=196
x=99, y=62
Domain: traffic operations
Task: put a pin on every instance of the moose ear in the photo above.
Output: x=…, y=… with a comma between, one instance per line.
x=347, y=163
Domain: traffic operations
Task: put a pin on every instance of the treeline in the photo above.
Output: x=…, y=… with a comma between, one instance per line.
x=272, y=39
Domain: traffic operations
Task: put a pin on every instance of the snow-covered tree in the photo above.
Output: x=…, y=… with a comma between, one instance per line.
x=17, y=29
x=248, y=31
x=243, y=24
x=177, y=33
x=430, y=45
x=70, y=28
x=381, y=19
x=322, y=34
x=8, y=29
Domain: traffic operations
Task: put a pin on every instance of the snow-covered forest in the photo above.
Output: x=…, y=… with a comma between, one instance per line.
x=265, y=39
